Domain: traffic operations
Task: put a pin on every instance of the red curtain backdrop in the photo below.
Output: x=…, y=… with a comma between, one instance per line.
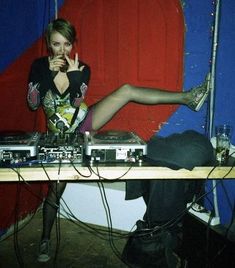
x=137, y=42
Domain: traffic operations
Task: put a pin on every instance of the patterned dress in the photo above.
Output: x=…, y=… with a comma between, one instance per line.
x=65, y=112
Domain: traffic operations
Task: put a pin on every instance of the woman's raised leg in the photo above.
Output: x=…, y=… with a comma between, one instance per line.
x=106, y=108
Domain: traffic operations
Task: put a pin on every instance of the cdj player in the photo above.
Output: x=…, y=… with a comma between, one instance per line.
x=114, y=146
x=16, y=147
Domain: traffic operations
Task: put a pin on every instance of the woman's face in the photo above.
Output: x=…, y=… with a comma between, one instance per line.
x=59, y=45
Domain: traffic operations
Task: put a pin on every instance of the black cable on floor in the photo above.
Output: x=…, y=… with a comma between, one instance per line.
x=109, y=219
x=57, y=221
x=16, y=242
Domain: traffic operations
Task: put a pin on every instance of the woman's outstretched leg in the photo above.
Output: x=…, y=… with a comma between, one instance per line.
x=105, y=109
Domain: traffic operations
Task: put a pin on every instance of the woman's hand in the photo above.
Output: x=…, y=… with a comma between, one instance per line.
x=55, y=63
x=73, y=65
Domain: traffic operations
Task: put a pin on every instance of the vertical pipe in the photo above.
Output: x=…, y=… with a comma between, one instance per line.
x=212, y=93
x=56, y=9
x=213, y=69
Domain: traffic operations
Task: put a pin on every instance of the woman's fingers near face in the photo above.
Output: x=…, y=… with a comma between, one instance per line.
x=76, y=62
x=66, y=57
x=58, y=60
x=76, y=58
x=72, y=62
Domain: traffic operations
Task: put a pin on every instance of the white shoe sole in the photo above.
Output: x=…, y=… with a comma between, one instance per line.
x=201, y=102
x=43, y=258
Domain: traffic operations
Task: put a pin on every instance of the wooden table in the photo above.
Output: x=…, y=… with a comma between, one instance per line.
x=78, y=172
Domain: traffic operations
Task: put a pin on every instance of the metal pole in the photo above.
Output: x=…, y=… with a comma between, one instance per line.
x=212, y=93
x=213, y=69
x=56, y=9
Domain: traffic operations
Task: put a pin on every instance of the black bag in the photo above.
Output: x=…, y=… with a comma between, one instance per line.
x=150, y=248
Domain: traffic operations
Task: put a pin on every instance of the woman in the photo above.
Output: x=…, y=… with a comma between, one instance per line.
x=59, y=83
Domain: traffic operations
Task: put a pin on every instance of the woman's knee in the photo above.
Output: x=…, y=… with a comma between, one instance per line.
x=126, y=90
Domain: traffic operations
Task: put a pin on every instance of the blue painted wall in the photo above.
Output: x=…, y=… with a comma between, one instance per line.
x=18, y=21
x=199, y=21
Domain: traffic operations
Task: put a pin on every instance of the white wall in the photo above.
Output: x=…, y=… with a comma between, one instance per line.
x=85, y=202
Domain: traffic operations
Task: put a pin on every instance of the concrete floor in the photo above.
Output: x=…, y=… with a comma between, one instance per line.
x=78, y=247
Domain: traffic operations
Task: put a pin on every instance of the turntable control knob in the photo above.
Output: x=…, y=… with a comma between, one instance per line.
x=66, y=137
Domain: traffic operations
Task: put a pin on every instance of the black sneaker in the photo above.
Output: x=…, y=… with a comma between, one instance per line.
x=44, y=251
x=200, y=94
